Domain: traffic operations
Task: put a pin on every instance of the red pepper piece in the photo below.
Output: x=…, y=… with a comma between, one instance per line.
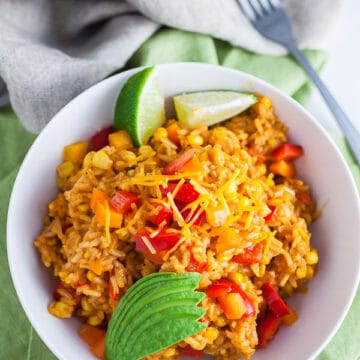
x=122, y=200
x=163, y=240
x=270, y=216
x=267, y=328
x=287, y=152
x=222, y=287
x=60, y=286
x=174, y=166
x=186, y=193
x=275, y=302
x=188, y=351
x=163, y=213
x=195, y=266
x=250, y=255
x=100, y=139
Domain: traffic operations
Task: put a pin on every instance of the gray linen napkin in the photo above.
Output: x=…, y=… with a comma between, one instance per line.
x=50, y=51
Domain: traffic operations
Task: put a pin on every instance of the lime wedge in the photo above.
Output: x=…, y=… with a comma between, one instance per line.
x=140, y=107
x=210, y=107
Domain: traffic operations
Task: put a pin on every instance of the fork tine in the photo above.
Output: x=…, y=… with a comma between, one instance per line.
x=274, y=3
x=265, y=4
x=256, y=7
x=247, y=8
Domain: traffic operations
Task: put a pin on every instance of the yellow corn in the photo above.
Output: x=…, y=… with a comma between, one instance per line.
x=87, y=162
x=236, y=277
x=85, y=304
x=211, y=334
x=87, y=254
x=102, y=160
x=160, y=134
x=65, y=169
x=301, y=272
x=309, y=272
x=90, y=275
x=244, y=202
x=75, y=152
x=312, y=257
x=95, y=320
x=220, y=321
x=121, y=140
x=169, y=352
x=266, y=102
x=195, y=140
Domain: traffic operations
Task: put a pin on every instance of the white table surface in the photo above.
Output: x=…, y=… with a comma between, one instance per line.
x=342, y=72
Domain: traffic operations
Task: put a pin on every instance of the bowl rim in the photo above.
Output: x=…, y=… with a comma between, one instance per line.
x=124, y=74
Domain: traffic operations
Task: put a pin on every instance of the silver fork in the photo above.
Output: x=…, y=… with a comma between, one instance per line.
x=270, y=20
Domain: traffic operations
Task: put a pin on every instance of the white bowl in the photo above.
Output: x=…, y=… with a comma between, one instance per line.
x=335, y=233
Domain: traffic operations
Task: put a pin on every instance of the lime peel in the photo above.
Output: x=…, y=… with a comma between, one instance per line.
x=139, y=107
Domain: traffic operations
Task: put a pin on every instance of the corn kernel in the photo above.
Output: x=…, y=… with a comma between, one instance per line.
x=65, y=169
x=220, y=321
x=160, y=134
x=87, y=162
x=75, y=152
x=90, y=275
x=309, y=272
x=236, y=277
x=169, y=352
x=95, y=319
x=87, y=254
x=312, y=257
x=121, y=140
x=266, y=102
x=301, y=272
x=244, y=202
x=211, y=334
x=102, y=160
x=195, y=140
x=60, y=309
x=85, y=304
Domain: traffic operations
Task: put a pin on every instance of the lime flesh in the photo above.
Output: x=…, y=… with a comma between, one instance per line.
x=140, y=107
x=210, y=107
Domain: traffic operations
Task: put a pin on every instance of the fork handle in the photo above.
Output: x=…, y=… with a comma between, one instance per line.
x=350, y=132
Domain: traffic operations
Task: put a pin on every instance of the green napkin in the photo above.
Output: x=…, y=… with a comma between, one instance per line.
x=18, y=340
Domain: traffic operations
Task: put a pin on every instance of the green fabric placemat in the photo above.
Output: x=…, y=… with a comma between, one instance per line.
x=18, y=340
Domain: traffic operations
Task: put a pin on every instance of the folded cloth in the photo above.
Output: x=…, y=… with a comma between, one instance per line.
x=50, y=51
x=18, y=339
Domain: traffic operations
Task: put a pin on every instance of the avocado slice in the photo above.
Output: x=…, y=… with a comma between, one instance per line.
x=160, y=309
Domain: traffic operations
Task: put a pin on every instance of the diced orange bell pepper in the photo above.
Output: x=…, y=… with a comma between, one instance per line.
x=228, y=239
x=75, y=152
x=121, y=140
x=172, y=132
x=176, y=165
x=233, y=305
x=95, y=338
x=283, y=168
x=100, y=203
x=194, y=165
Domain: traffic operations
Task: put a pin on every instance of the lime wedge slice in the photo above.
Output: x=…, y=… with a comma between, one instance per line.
x=210, y=107
x=139, y=108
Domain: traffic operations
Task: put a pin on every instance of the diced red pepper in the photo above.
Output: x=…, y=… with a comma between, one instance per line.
x=100, y=139
x=186, y=193
x=287, y=152
x=163, y=240
x=95, y=338
x=270, y=216
x=250, y=255
x=61, y=286
x=188, y=351
x=275, y=302
x=174, y=166
x=222, y=287
x=122, y=200
x=267, y=328
x=195, y=266
x=163, y=213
